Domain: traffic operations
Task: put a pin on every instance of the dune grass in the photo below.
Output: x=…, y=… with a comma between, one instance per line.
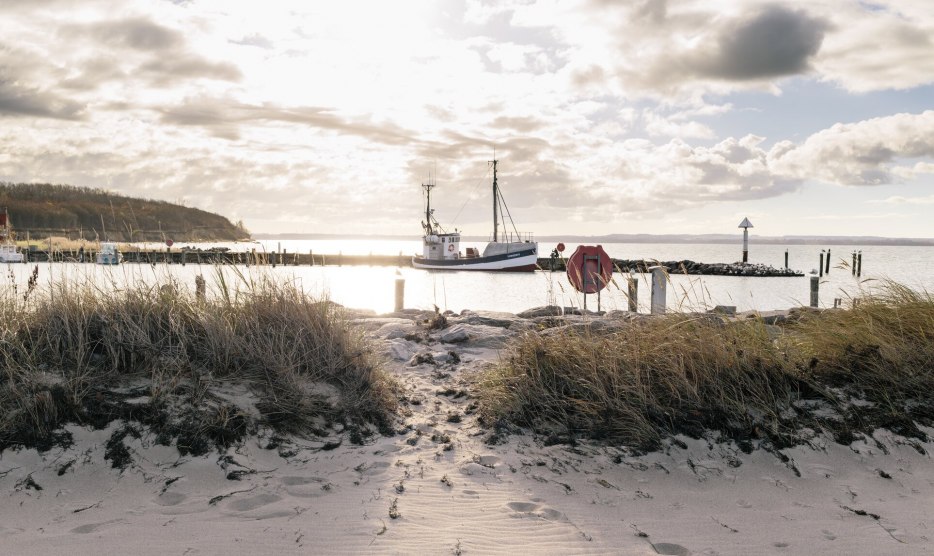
x=866, y=367
x=197, y=372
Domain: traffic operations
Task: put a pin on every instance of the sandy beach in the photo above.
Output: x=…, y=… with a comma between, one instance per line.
x=443, y=484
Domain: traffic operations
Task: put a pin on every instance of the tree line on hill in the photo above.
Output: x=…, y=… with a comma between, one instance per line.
x=42, y=210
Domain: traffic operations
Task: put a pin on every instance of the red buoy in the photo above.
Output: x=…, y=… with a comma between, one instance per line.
x=560, y=248
x=589, y=269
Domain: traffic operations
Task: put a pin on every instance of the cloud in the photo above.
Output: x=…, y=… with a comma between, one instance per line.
x=137, y=48
x=224, y=117
x=879, y=49
x=900, y=200
x=862, y=153
x=165, y=71
x=20, y=100
x=775, y=42
x=257, y=40
x=137, y=33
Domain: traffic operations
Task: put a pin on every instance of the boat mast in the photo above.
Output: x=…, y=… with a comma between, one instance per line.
x=495, y=205
x=429, y=229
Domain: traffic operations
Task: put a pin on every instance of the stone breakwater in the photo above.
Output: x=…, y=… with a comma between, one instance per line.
x=686, y=267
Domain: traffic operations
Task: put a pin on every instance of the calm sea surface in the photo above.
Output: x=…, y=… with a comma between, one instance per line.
x=373, y=287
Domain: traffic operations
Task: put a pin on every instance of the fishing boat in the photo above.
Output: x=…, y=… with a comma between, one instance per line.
x=9, y=252
x=509, y=251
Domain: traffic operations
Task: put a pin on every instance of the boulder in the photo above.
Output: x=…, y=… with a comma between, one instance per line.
x=546, y=311
x=455, y=334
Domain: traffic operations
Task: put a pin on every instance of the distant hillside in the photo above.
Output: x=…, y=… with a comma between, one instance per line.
x=43, y=210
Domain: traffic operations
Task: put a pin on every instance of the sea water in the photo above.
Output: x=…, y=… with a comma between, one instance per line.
x=373, y=287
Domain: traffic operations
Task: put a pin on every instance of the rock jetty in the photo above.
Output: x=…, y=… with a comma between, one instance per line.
x=687, y=267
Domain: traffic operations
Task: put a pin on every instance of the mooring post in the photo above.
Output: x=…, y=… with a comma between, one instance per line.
x=853, y=268
x=659, y=290
x=820, y=266
x=815, y=285
x=400, y=291
x=859, y=264
x=786, y=259
x=633, y=293
x=828, y=262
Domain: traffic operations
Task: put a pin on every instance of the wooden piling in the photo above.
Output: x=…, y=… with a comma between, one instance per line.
x=633, y=294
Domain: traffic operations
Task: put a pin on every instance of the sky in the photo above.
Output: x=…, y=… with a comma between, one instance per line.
x=809, y=118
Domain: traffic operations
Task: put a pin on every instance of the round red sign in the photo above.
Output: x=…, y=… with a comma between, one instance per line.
x=169, y=242
x=560, y=248
x=589, y=269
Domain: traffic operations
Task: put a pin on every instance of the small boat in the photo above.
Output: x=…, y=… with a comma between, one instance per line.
x=441, y=250
x=9, y=252
x=109, y=254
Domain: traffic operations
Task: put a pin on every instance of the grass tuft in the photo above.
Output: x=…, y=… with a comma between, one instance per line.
x=200, y=372
x=687, y=374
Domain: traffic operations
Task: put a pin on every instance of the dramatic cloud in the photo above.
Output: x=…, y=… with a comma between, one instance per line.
x=774, y=43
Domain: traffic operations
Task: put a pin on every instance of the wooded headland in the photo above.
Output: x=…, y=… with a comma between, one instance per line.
x=39, y=210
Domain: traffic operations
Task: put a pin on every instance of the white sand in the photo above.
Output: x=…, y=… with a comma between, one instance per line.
x=519, y=497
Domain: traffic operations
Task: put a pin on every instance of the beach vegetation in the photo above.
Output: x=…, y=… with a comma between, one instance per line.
x=198, y=372
x=844, y=372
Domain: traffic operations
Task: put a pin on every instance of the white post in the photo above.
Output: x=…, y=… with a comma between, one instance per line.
x=659, y=290
x=400, y=291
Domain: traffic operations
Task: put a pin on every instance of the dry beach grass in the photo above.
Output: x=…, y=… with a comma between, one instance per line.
x=841, y=371
x=157, y=355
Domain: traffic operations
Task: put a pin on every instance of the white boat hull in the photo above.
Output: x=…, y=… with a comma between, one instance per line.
x=521, y=261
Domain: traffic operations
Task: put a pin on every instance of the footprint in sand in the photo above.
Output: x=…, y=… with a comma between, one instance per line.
x=471, y=494
x=253, y=502
x=670, y=549
x=524, y=507
x=743, y=504
x=488, y=461
x=91, y=527
x=530, y=509
x=829, y=535
x=307, y=487
x=375, y=468
x=170, y=498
